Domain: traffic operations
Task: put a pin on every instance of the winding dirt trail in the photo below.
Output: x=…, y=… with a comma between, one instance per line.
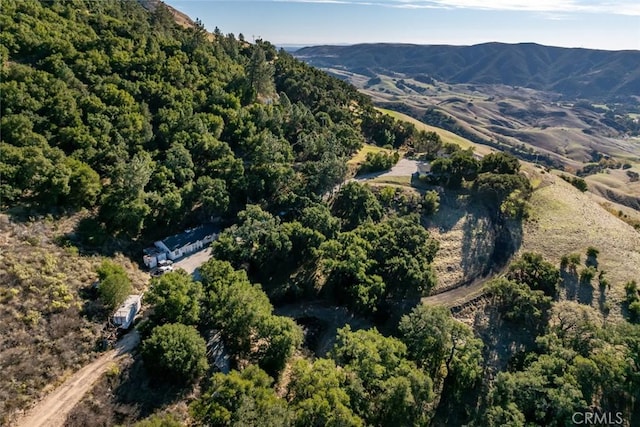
x=52, y=411
x=458, y=295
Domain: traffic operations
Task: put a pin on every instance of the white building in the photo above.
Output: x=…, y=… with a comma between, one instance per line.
x=179, y=245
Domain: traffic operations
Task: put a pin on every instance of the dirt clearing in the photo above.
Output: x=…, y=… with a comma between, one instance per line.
x=52, y=411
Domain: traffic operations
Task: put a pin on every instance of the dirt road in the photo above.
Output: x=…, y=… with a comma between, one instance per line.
x=333, y=318
x=456, y=296
x=52, y=411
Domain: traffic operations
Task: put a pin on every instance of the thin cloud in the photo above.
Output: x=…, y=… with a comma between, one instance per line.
x=551, y=7
x=619, y=7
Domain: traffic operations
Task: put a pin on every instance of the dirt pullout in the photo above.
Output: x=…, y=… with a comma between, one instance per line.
x=564, y=220
x=331, y=317
x=52, y=411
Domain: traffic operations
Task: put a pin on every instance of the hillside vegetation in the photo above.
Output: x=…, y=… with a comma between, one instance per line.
x=571, y=119
x=120, y=125
x=565, y=220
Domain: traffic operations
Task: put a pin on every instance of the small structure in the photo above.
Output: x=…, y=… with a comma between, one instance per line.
x=124, y=315
x=423, y=170
x=179, y=245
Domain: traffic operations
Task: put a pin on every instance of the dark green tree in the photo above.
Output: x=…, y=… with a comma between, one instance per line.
x=388, y=389
x=435, y=339
x=260, y=72
x=355, y=203
x=537, y=273
x=518, y=302
x=175, y=298
x=241, y=398
x=499, y=163
x=431, y=202
x=115, y=284
x=317, y=395
x=175, y=352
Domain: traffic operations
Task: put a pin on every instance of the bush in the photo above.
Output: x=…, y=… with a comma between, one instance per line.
x=431, y=202
x=579, y=183
x=587, y=274
x=176, y=352
x=155, y=420
x=115, y=285
x=631, y=289
x=379, y=161
x=592, y=252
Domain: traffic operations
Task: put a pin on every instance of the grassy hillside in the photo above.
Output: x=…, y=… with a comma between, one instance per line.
x=564, y=220
x=119, y=126
x=445, y=135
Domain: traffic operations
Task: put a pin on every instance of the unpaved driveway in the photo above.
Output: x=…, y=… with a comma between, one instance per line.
x=191, y=263
x=404, y=167
x=334, y=317
x=456, y=296
x=53, y=410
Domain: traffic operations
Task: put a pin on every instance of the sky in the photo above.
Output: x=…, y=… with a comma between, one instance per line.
x=594, y=24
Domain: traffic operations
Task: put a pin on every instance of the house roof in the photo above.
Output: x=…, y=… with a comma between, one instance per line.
x=189, y=236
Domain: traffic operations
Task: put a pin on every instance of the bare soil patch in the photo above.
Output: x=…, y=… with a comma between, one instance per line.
x=53, y=410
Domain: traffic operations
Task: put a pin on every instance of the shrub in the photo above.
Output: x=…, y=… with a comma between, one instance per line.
x=631, y=289
x=579, y=183
x=592, y=252
x=379, y=161
x=114, y=290
x=431, y=202
x=587, y=274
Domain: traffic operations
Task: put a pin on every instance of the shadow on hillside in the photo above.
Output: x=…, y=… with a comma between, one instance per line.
x=478, y=245
x=602, y=301
x=450, y=212
x=145, y=394
x=576, y=291
x=489, y=245
x=570, y=284
x=89, y=237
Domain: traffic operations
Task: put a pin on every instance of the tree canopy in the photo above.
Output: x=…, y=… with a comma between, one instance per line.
x=175, y=352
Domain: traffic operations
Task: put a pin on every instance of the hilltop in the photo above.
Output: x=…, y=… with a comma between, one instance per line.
x=571, y=73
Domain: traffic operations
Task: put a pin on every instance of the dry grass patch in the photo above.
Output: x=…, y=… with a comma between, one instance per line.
x=564, y=220
x=401, y=181
x=44, y=333
x=445, y=135
x=466, y=238
x=361, y=155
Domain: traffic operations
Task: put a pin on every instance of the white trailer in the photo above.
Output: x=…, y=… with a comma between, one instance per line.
x=124, y=315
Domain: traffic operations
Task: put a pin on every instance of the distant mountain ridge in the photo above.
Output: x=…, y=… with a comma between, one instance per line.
x=571, y=72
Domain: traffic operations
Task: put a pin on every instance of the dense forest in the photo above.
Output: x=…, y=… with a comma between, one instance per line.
x=145, y=128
